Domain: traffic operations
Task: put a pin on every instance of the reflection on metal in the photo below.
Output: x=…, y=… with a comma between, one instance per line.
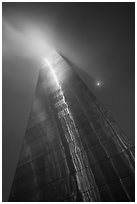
x=85, y=182
x=73, y=150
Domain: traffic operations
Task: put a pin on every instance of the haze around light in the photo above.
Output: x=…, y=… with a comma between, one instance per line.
x=27, y=42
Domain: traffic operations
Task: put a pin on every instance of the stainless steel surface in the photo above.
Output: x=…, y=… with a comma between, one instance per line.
x=73, y=150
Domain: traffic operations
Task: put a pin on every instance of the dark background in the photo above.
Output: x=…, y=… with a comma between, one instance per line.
x=98, y=38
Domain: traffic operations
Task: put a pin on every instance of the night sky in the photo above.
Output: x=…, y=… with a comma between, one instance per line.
x=97, y=38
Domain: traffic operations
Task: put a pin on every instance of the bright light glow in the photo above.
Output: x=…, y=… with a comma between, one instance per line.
x=98, y=83
x=30, y=41
x=53, y=73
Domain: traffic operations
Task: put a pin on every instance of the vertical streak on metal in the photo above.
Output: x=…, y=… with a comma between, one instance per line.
x=86, y=184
